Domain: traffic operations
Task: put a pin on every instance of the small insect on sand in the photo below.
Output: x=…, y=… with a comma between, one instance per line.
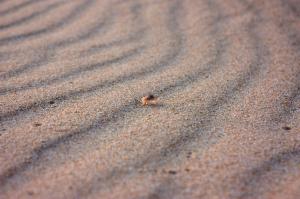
x=149, y=100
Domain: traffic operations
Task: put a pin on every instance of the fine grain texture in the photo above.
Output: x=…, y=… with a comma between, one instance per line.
x=150, y=99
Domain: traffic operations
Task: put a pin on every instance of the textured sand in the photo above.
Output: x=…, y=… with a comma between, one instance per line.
x=227, y=77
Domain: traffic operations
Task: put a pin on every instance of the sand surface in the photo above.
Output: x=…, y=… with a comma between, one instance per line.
x=226, y=74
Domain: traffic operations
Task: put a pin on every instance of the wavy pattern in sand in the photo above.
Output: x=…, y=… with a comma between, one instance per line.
x=226, y=124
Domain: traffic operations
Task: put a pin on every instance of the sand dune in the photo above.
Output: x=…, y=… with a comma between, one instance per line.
x=226, y=74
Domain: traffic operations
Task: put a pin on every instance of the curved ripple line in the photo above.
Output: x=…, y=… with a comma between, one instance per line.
x=167, y=60
x=232, y=90
x=6, y=175
x=31, y=16
x=50, y=50
x=67, y=19
x=17, y=7
x=255, y=175
x=63, y=97
x=136, y=36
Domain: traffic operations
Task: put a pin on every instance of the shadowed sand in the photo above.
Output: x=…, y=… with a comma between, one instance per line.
x=226, y=123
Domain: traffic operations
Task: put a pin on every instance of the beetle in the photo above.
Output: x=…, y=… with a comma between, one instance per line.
x=149, y=100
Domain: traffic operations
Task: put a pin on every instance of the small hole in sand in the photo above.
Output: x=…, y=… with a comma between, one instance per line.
x=30, y=193
x=51, y=102
x=37, y=124
x=172, y=172
x=287, y=128
x=187, y=169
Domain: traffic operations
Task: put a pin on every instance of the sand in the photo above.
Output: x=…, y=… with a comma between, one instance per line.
x=225, y=124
